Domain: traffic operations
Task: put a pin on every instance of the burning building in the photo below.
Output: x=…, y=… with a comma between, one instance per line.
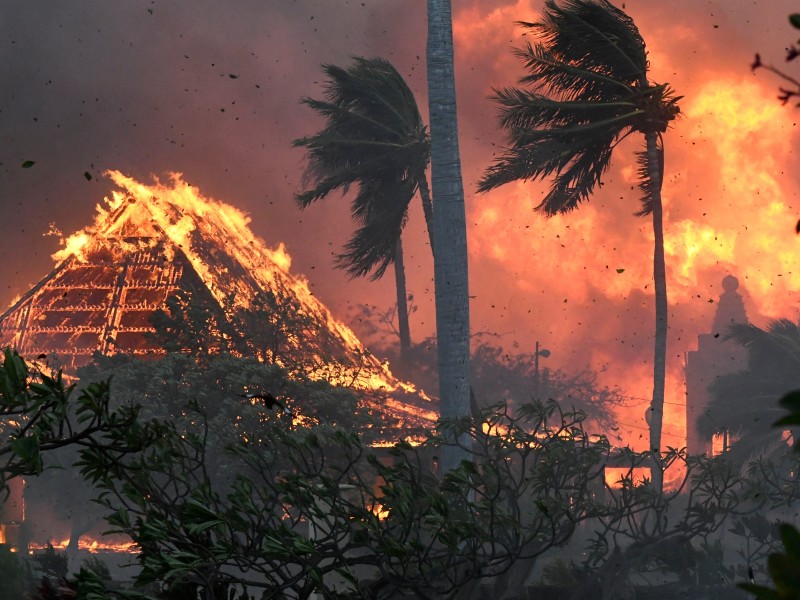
x=149, y=242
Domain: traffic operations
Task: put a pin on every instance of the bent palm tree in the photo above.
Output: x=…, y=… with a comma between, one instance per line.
x=374, y=137
x=589, y=90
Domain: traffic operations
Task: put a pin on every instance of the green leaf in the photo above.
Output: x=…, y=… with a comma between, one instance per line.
x=40, y=390
x=303, y=546
x=316, y=577
x=196, y=528
x=27, y=448
x=794, y=19
x=273, y=545
x=195, y=510
x=392, y=548
x=28, y=164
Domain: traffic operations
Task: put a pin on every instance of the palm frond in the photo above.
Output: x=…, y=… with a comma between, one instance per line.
x=649, y=185
x=380, y=210
x=332, y=169
x=343, y=118
x=565, y=80
x=780, y=341
x=373, y=138
x=523, y=110
x=595, y=35
x=373, y=87
x=588, y=90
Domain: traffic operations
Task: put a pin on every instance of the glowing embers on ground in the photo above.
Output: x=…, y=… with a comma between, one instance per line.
x=89, y=545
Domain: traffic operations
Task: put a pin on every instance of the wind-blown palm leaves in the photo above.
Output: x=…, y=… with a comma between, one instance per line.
x=374, y=137
x=745, y=405
x=586, y=90
x=589, y=90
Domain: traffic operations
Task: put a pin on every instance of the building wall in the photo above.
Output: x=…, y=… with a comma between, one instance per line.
x=715, y=357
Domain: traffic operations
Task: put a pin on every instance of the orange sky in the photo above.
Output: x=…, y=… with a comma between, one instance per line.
x=147, y=88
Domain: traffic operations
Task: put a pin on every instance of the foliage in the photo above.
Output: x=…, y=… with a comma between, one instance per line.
x=589, y=89
x=52, y=563
x=164, y=387
x=192, y=322
x=273, y=327
x=643, y=537
x=791, y=403
x=373, y=137
x=498, y=375
x=267, y=327
x=746, y=403
x=301, y=510
x=784, y=569
x=39, y=413
x=15, y=575
x=98, y=567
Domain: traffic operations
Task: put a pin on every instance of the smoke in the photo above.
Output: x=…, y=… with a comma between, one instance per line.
x=212, y=90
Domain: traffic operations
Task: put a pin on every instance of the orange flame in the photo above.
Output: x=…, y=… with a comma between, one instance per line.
x=728, y=209
x=140, y=217
x=89, y=544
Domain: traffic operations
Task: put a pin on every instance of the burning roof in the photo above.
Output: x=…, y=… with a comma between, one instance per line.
x=147, y=242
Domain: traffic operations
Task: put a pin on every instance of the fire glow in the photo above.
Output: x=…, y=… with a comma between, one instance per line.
x=87, y=544
x=147, y=241
x=727, y=211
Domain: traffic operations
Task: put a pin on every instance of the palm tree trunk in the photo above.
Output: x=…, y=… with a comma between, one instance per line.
x=402, y=302
x=427, y=205
x=449, y=227
x=660, y=279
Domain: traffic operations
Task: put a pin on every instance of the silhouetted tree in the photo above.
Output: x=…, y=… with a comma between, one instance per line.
x=589, y=89
x=373, y=138
x=315, y=510
x=792, y=52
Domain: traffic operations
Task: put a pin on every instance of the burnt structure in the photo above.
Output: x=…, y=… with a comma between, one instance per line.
x=715, y=356
x=152, y=240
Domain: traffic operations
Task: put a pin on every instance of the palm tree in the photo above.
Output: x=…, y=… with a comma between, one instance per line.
x=588, y=90
x=374, y=137
x=450, y=227
x=744, y=405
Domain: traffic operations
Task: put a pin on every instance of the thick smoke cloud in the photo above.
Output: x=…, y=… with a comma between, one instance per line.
x=212, y=89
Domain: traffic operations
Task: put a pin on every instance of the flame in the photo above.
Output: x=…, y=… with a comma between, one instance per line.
x=89, y=544
x=74, y=245
x=734, y=115
x=280, y=257
x=728, y=209
x=232, y=262
x=614, y=476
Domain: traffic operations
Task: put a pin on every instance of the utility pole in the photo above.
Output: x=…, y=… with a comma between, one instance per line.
x=544, y=353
